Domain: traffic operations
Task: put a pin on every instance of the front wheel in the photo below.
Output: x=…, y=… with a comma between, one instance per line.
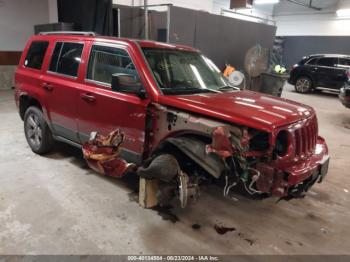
x=37, y=131
x=303, y=85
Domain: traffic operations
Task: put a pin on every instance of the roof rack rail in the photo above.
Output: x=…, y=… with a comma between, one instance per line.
x=68, y=33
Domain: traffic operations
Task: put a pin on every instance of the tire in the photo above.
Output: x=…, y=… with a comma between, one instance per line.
x=164, y=167
x=37, y=132
x=303, y=85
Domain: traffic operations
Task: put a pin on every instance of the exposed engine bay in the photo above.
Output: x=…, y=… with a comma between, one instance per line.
x=185, y=151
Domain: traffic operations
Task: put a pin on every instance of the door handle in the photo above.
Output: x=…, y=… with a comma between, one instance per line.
x=88, y=98
x=47, y=86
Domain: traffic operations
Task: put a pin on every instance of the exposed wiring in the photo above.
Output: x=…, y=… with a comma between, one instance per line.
x=250, y=188
x=228, y=187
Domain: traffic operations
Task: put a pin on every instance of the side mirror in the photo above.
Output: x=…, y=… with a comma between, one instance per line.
x=127, y=83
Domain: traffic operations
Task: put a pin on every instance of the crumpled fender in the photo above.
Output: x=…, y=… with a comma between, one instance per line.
x=195, y=149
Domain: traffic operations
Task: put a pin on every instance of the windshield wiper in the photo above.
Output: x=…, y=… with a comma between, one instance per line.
x=188, y=90
x=222, y=88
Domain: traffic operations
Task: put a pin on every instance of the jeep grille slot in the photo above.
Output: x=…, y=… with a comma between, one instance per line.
x=306, y=138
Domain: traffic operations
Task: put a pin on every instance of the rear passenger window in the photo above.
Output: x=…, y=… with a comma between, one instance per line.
x=105, y=61
x=344, y=62
x=35, y=55
x=328, y=61
x=66, y=58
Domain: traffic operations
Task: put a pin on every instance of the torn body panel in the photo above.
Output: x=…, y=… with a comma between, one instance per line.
x=102, y=154
x=281, y=163
x=192, y=135
x=272, y=163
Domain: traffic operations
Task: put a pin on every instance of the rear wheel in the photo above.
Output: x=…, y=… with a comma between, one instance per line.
x=303, y=84
x=37, y=131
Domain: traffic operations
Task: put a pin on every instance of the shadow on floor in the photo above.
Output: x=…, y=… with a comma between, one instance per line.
x=75, y=156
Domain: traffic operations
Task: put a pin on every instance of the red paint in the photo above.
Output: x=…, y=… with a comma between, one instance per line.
x=247, y=108
x=66, y=104
x=221, y=143
x=102, y=155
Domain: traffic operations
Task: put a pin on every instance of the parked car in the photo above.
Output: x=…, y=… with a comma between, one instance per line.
x=175, y=109
x=344, y=95
x=320, y=72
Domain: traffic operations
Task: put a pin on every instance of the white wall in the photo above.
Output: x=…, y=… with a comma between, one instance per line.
x=311, y=22
x=53, y=12
x=205, y=5
x=17, y=20
x=212, y=6
x=314, y=25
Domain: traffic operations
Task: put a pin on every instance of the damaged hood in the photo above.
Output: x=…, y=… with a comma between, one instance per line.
x=246, y=108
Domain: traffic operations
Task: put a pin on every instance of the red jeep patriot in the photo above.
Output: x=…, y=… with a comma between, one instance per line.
x=178, y=113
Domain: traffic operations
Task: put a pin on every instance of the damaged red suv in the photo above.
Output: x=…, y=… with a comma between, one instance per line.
x=182, y=121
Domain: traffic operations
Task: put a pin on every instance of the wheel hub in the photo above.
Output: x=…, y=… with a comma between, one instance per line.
x=303, y=85
x=34, y=130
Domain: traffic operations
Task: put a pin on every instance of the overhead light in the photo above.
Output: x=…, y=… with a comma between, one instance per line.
x=343, y=12
x=265, y=2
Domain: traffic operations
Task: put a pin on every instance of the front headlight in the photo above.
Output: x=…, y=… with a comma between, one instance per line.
x=282, y=143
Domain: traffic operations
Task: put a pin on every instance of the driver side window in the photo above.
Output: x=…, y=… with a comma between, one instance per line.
x=105, y=61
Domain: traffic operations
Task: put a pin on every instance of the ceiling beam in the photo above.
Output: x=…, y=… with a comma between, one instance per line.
x=309, y=5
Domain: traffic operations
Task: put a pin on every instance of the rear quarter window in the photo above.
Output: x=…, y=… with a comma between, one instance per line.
x=35, y=55
x=312, y=61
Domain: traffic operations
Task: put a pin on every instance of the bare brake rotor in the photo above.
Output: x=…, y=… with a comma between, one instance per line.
x=187, y=189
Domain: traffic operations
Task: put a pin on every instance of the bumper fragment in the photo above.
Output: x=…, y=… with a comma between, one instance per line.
x=279, y=180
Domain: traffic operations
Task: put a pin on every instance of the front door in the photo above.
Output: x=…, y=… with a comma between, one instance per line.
x=103, y=110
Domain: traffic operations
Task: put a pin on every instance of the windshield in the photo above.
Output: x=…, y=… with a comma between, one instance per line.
x=184, y=72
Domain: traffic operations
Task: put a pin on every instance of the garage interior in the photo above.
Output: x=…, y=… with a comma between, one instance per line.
x=56, y=205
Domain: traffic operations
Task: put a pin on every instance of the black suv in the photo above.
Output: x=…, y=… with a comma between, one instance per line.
x=320, y=72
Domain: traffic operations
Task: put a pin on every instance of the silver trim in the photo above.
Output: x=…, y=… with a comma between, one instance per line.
x=68, y=33
x=168, y=19
x=119, y=21
x=59, y=74
x=87, y=80
x=328, y=89
x=146, y=21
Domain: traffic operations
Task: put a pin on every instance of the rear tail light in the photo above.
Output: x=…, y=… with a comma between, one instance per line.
x=348, y=74
x=293, y=67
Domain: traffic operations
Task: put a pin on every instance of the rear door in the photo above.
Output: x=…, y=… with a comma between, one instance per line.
x=325, y=72
x=30, y=70
x=103, y=110
x=60, y=83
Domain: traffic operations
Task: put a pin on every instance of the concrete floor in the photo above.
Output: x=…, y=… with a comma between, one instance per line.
x=56, y=205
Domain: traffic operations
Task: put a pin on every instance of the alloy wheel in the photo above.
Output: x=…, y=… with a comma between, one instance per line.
x=34, y=131
x=303, y=85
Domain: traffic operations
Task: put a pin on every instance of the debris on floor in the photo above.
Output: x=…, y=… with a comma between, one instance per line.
x=324, y=231
x=166, y=213
x=248, y=240
x=221, y=230
x=196, y=226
